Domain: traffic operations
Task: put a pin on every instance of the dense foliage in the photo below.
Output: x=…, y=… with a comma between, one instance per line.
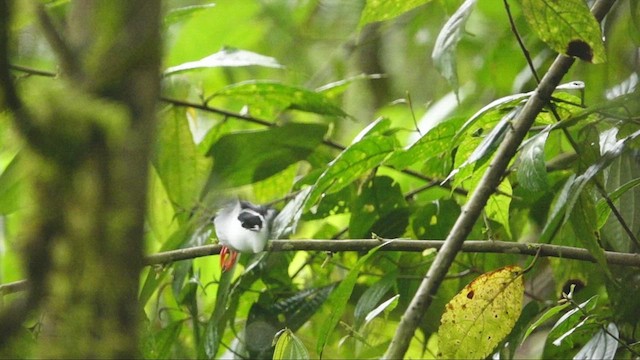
x=373, y=120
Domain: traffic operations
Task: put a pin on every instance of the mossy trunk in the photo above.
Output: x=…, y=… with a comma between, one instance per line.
x=92, y=179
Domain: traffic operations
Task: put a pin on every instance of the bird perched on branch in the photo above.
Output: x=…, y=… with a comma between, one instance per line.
x=242, y=227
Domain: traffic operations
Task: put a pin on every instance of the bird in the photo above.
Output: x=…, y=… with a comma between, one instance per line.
x=242, y=227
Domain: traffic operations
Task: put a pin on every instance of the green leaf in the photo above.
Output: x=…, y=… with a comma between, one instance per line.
x=381, y=10
x=583, y=219
x=487, y=145
x=378, y=198
x=215, y=325
x=11, y=186
x=180, y=14
x=372, y=296
x=444, y=51
x=477, y=319
x=227, y=57
x=567, y=26
x=269, y=94
x=434, y=143
x=544, y=318
x=573, y=327
x=288, y=346
x=497, y=207
x=532, y=170
x=178, y=163
x=159, y=343
x=246, y=157
x=354, y=161
x=338, y=299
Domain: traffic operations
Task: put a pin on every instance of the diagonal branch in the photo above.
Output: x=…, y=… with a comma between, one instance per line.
x=472, y=210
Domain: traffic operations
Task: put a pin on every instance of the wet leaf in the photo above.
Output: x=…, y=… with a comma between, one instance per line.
x=480, y=316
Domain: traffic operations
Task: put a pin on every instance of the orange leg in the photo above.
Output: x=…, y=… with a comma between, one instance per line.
x=228, y=258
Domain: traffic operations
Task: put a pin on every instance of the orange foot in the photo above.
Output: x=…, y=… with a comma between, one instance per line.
x=228, y=258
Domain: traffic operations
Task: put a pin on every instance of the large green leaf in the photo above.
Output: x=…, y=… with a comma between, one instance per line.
x=432, y=144
x=245, y=157
x=380, y=10
x=567, y=26
x=368, y=150
x=178, y=163
x=270, y=94
x=372, y=296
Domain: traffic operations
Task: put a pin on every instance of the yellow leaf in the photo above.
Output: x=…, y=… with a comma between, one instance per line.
x=477, y=319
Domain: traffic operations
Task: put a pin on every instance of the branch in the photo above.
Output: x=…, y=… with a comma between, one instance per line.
x=329, y=143
x=469, y=246
x=472, y=210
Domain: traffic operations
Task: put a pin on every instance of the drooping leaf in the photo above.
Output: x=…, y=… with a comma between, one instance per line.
x=583, y=219
x=602, y=346
x=381, y=10
x=568, y=27
x=443, y=55
x=386, y=306
x=338, y=299
x=532, y=171
x=288, y=346
x=270, y=94
x=214, y=327
x=477, y=319
x=245, y=157
x=227, y=57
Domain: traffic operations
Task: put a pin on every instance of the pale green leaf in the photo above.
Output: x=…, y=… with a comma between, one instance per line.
x=381, y=10
x=532, y=171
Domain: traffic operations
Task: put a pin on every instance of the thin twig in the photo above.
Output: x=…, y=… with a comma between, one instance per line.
x=59, y=45
x=525, y=52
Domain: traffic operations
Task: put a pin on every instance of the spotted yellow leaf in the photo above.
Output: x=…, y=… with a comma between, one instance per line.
x=480, y=316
